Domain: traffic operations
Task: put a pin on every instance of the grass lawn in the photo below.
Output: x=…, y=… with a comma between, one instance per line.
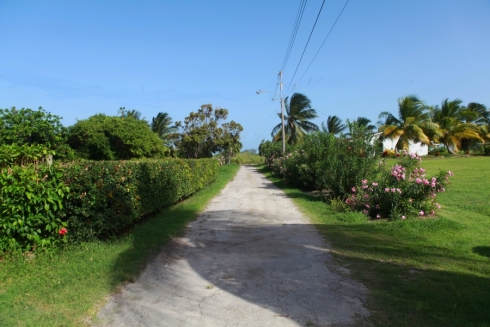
x=420, y=272
x=67, y=288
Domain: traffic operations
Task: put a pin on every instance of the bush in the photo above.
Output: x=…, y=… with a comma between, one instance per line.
x=325, y=162
x=102, y=137
x=30, y=198
x=107, y=197
x=399, y=192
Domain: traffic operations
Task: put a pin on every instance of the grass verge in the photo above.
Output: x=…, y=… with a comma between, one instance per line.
x=68, y=287
x=420, y=272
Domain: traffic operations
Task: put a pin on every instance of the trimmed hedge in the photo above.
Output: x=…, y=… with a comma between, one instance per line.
x=108, y=197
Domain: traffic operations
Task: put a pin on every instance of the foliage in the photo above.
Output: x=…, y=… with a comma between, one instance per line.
x=30, y=198
x=107, y=197
x=412, y=124
x=23, y=155
x=272, y=150
x=162, y=126
x=33, y=127
x=452, y=130
x=334, y=125
x=324, y=162
x=400, y=192
x=102, y=137
x=202, y=135
x=296, y=119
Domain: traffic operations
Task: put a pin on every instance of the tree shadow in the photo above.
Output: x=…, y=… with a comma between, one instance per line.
x=484, y=251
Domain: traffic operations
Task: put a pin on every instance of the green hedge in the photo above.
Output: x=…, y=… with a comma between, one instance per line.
x=107, y=197
x=89, y=199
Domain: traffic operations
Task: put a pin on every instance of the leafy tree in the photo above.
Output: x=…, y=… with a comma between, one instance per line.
x=31, y=127
x=123, y=112
x=452, y=128
x=162, y=126
x=102, y=137
x=201, y=134
x=296, y=120
x=412, y=124
x=334, y=125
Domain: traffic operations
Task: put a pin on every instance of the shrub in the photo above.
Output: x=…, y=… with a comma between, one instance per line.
x=30, y=198
x=107, y=197
x=325, y=162
x=102, y=137
x=399, y=192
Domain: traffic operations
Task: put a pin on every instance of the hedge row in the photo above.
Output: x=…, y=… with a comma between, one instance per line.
x=91, y=199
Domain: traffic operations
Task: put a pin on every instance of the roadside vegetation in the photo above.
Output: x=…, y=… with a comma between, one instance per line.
x=67, y=286
x=432, y=271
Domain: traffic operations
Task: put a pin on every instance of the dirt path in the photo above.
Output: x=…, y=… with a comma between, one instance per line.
x=250, y=259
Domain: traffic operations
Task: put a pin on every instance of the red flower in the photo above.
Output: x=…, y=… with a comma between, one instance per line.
x=62, y=231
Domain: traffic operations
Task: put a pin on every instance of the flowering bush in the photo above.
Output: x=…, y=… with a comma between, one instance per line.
x=402, y=191
x=294, y=168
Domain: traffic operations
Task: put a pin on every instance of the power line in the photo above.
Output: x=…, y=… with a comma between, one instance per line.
x=324, y=40
x=313, y=28
x=299, y=16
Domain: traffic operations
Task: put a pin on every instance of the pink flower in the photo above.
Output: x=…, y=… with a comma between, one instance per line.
x=377, y=206
x=418, y=180
x=426, y=182
x=421, y=213
x=378, y=216
x=387, y=190
x=403, y=217
x=375, y=184
x=432, y=212
x=63, y=231
x=365, y=211
x=393, y=190
x=438, y=206
x=353, y=189
x=410, y=200
x=399, y=191
x=367, y=205
x=364, y=181
x=450, y=173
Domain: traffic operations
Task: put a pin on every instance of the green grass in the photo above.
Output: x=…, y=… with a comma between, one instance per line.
x=246, y=158
x=420, y=272
x=67, y=288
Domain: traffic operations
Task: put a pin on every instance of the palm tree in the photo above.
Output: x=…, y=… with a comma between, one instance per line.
x=413, y=123
x=162, y=126
x=296, y=120
x=452, y=128
x=334, y=125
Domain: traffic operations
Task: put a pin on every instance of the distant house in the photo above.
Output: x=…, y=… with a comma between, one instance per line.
x=390, y=144
x=413, y=147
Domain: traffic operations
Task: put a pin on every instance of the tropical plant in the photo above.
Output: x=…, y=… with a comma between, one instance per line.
x=296, y=120
x=451, y=126
x=413, y=123
x=162, y=126
x=334, y=125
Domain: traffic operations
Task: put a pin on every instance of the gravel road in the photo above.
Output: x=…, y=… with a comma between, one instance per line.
x=250, y=259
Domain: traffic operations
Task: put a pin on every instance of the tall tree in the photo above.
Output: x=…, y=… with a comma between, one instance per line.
x=334, y=125
x=412, y=124
x=202, y=135
x=451, y=126
x=297, y=119
x=162, y=126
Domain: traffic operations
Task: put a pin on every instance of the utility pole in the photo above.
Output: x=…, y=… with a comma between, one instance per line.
x=282, y=114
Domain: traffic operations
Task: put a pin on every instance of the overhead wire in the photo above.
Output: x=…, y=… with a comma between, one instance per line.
x=307, y=42
x=296, y=25
x=324, y=40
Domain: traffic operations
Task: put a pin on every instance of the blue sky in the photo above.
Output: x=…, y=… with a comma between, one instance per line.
x=79, y=58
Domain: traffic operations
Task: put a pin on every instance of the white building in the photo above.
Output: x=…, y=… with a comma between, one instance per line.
x=413, y=147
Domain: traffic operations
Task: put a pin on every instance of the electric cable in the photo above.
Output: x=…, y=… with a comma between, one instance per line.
x=297, y=23
x=307, y=42
x=324, y=40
